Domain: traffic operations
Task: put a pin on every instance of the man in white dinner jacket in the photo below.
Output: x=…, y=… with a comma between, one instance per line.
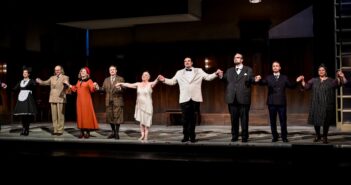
x=189, y=80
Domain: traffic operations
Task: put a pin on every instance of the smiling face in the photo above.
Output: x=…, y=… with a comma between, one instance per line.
x=25, y=73
x=83, y=73
x=238, y=59
x=145, y=77
x=113, y=70
x=276, y=67
x=188, y=63
x=322, y=72
x=58, y=70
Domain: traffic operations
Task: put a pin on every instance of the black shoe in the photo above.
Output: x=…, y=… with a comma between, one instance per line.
x=117, y=136
x=193, y=140
x=113, y=135
x=316, y=139
x=275, y=140
x=285, y=140
x=325, y=140
x=234, y=140
x=185, y=140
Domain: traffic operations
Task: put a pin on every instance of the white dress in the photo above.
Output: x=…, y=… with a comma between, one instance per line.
x=143, y=106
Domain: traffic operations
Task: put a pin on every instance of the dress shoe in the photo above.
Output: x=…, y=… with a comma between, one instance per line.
x=86, y=136
x=185, y=140
x=58, y=134
x=317, y=139
x=325, y=140
x=193, y=140
x=117, y=136
x=234, y=140
x=274, y=140
x=113, y=135
x=285, y=140
x=81, y=136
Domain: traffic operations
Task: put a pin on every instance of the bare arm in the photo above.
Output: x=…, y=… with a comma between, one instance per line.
x=154, y=83
x=129, y=85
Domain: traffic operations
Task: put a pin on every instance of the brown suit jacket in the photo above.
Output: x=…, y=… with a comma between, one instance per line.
x=57, y=88
x=112, y=93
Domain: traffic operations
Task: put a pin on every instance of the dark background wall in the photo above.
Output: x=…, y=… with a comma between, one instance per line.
x=226, y=27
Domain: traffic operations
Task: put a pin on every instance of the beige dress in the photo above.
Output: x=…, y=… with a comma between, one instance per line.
x=143, y=107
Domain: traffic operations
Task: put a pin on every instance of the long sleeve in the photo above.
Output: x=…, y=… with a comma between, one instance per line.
x=173, y=80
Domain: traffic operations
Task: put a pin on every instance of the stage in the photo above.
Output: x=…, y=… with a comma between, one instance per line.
x=164, y=154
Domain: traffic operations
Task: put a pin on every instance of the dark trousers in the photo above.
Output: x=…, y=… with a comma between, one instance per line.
x=281, y=111
x=318, y=130
x=188, y=118
x=239, y=111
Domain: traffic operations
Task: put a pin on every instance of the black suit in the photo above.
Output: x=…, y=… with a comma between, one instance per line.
x=238, y=98
x=276, y=102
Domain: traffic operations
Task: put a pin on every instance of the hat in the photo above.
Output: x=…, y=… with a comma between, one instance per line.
x=88, y=70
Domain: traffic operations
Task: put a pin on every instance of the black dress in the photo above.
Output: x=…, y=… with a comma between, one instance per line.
x=322, y=108
x=25, y=103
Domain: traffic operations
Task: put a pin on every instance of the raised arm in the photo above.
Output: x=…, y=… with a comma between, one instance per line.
x=154, y=83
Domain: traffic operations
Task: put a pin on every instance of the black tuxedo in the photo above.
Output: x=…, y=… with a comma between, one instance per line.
x=238, y=98
x=276, y=102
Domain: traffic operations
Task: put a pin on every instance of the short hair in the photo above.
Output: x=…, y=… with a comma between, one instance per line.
x=62, y=71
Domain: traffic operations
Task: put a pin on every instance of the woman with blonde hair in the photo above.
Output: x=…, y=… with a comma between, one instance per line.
x=143, y=107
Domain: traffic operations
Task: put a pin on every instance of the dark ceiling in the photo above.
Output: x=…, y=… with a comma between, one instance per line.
x=78, y=10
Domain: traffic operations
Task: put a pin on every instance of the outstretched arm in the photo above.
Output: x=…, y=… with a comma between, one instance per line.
x=129, y=85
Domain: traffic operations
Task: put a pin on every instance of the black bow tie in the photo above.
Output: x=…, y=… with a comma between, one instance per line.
x=188, y=69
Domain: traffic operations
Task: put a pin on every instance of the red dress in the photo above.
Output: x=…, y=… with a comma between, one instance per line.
x=86, y=118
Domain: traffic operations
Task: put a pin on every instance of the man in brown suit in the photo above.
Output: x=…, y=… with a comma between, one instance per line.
x=113, y=101
x=57, y=98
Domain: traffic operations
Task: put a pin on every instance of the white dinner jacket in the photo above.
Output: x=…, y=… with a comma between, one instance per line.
x=190, y=89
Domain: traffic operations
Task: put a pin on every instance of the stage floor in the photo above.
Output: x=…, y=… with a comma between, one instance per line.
x=211, y=135
x=213, y=157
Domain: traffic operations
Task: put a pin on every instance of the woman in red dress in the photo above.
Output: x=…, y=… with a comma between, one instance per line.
x=86, y=119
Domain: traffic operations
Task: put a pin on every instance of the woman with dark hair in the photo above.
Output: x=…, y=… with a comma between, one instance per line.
x=86, y=119
x=322, y=108
x=25, y=106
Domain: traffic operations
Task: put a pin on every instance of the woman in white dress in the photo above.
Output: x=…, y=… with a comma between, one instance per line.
x=143, y=106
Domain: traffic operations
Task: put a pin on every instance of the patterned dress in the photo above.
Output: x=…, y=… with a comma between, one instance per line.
x=143, y=107
x=322, y=108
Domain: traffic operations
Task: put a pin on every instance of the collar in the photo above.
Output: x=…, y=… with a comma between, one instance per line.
x=275, y=74
x=240, y=66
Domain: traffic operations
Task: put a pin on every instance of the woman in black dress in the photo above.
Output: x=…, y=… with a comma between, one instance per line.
x=322, y=108
x=25, y=106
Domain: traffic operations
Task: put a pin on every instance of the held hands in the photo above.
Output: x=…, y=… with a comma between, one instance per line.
x=119, y=86
x=96, y=86
x=219, y=73
x=38, y=80
x=3, y=85
x=301, y=78
x=258, y=78
x=340, y=74
x=161, y=78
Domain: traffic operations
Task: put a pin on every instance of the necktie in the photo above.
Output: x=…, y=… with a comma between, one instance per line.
x=188, y=69
x=276, y=77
